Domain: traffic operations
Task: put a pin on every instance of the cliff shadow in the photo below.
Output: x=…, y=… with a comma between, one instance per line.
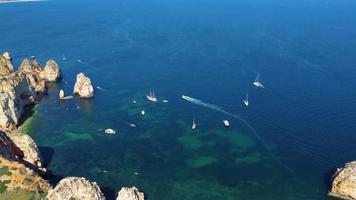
x=328, y=177
x=108, y=193
x=27, y=113
x=46, y=154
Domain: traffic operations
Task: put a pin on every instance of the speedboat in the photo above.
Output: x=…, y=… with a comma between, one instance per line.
x=194, y=125
x=165, y=101
x=64, y=58
x=110, y=131
x=151, y=97
x=143, y=112
x=257, y=82
x=226, y=123
x=245, y=101
x=133, y=125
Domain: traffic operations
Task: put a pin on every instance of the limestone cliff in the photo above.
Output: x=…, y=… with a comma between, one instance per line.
x=132, y=193
x=20, y=88
x=6, y=67
x=14, y=174
x=344, y=183
x=83, y=86
x=76, y=188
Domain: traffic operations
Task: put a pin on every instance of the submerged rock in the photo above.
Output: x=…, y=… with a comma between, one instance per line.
x=344, y=183
x=132, y=193
x=51, y=71
x=83, y=86
x=76, y=188
x=6, y=67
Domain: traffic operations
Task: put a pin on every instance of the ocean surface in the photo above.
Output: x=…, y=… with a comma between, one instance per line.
x=285, y=145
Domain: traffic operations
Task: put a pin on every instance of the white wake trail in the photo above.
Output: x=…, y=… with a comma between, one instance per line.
x=217, y=108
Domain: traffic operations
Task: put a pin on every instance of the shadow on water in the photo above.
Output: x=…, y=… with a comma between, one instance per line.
x=46, y=153
x=27, y=113
x=328, y=178
x=109, y=193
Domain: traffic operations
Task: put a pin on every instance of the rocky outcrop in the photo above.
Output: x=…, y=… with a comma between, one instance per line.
x=20, y=88
x=132, y=193
x=63, y=97
x=16, y=91
x=344, y=183
x=6, y=67
x=29, y=149
x=83, y=86
x=51, y=71
x=76, y=188
x=14, y=174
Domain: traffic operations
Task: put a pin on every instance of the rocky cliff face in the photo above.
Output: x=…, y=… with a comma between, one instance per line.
x=344, y=183
x=83, y=86
x=51, y=71
x=132, y=193
x=76, y=188
x=6, y=67
x=29, y=149
x=15, y=171
x=17, y=89
x=14, y=174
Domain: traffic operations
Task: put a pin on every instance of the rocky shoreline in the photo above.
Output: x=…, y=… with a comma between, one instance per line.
x=22, y=170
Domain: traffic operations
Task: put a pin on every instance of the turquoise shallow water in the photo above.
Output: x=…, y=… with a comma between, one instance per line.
x=210, y=50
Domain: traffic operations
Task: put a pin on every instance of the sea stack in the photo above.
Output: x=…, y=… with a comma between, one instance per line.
x=132, y=193
x=51, y=71
x=61, y=94
x=83, y=86
x=344, y=183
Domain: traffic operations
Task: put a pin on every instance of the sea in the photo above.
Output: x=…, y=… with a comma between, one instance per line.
x=285, y=145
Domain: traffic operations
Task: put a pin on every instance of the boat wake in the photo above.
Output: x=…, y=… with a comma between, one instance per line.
x=250, y=127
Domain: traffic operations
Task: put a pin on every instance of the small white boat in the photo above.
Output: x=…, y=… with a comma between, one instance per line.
x=100, y=88
x=110, y=131
x=133, y=101
x=257, y=82
x=226, y=123
x=64, y=58
x=33, y=57
x=143, y=112
x=79, y=61
x=136, y=173
x=133, y=125
x=194, y=125
x=151, y=97
x=245, y=101
x=165, y=101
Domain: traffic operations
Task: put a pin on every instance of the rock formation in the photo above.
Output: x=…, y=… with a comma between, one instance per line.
x=6, y=67
x=132, y=193
x=51, y=71
x=14, y=174
x=83, y=86
x=344, y=183
x=76, y=188
x=61, y=94
x=63, y=97
x=20, y=88
x=29, y=148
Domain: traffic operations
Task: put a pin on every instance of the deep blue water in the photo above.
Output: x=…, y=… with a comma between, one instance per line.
x=303, y=121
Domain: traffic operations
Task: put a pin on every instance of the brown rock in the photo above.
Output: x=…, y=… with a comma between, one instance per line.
x=132, y=193
x=344, y=183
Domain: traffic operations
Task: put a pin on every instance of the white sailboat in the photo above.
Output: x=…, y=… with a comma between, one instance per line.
x=194, y=125
x=226, y=123
x=257, y=82
x=151, y=97
x=245, y=101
